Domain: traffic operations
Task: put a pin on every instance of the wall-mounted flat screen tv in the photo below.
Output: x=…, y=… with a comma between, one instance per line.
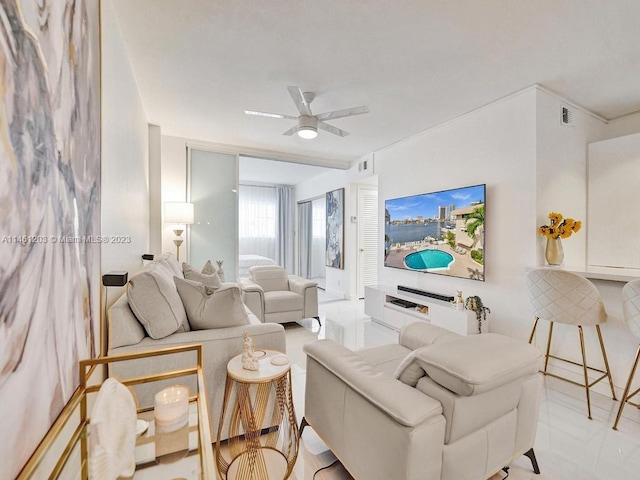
x=438, y=232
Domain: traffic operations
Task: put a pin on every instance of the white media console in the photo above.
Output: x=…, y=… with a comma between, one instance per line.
x=395, y=309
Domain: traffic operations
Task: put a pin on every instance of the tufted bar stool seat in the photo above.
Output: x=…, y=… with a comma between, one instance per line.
x=564, y=297
x=631, y=311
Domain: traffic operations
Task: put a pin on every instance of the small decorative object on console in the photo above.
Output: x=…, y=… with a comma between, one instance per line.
x=249, y=358
x=475, y=304
x=459, y=301
x=219, y=270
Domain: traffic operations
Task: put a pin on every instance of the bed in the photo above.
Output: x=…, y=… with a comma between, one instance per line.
x=246, y=261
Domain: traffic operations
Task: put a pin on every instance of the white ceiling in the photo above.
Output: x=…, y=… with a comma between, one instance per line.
x=414, y=63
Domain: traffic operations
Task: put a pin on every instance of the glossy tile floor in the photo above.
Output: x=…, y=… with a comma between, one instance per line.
x=568, y=445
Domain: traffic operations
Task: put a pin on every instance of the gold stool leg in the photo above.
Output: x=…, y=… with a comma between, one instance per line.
x=584, y=368
x=533, y=331
x=627, y=387
x=546, y=355
x=606, y=362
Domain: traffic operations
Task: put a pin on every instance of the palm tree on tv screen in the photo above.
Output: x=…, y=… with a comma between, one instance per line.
x=475, y=224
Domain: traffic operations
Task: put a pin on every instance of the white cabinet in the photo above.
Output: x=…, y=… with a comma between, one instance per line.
x=395, y=309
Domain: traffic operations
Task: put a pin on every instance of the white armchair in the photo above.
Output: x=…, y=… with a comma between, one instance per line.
x=274, y=296
x=435, y=406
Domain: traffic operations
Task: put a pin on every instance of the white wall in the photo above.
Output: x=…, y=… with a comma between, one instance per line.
x=495, y=145
x=561, y=174
x=624, y=125
x=125, y=168
x=155, y=189
x=337, y=280
x=173, y=183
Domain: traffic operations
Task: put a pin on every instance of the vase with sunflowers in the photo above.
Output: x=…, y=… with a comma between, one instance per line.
x=558, y=228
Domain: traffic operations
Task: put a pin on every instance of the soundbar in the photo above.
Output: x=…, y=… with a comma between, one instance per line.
x=424, y=293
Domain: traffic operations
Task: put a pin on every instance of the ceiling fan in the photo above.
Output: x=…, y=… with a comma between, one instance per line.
x=309, y=123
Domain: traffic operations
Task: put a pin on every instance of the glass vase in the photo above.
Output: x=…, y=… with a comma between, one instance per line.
x=554, y=252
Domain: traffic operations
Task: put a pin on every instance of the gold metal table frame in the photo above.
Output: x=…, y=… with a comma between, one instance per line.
x=262, y=430
x=63, y=453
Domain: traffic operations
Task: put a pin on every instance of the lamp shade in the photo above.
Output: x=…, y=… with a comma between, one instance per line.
x=178, y=212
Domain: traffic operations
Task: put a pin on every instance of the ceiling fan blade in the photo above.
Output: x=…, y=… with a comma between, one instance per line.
x=270, y=115
x=292, y=130
x=301, y=103
x=332, y=129
x=347, y=112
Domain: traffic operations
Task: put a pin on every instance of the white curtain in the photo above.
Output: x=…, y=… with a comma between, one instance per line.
x=257, y=210
x=266, y=223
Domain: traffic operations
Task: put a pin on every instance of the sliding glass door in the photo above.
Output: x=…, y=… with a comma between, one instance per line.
x=213, y=186
x=311, y=240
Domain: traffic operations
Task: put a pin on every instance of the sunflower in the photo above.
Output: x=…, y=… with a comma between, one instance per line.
x=559, y=226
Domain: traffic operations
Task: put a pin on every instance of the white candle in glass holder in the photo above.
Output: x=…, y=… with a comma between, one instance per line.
x=172, y=407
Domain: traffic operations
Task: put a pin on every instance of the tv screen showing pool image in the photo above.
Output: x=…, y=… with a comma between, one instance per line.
x=438, y=232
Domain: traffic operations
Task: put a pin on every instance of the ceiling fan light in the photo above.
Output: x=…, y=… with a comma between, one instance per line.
x=307, y=132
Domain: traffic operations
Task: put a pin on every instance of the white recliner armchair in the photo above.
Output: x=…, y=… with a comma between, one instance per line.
x=275, y=296
x=436, y=406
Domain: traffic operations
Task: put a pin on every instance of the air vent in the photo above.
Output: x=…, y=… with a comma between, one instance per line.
x=567, y=117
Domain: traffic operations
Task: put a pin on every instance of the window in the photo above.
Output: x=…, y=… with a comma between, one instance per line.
x=257, y=212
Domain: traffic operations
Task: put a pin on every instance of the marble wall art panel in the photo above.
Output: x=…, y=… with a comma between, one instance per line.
x=49, y=213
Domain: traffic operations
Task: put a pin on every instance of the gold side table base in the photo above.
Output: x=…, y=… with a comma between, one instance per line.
x=262, y=430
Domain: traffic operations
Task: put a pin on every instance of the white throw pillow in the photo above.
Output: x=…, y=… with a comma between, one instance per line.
x=208, y=276
x=209, y=307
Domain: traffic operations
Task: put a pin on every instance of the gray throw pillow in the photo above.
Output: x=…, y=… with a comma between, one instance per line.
x=209, y=307
x=209, y=279
x=208, y=268
x=156, y=303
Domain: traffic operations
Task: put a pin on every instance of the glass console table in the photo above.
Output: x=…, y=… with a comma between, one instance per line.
x=186, y=453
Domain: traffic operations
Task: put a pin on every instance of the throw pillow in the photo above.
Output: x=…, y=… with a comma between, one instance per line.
x=209, y=279
x=209, y=269
x=209, y=307
x=156, y=303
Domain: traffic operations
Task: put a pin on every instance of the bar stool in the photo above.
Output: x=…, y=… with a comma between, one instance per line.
x=631, y=310
x=564, y=297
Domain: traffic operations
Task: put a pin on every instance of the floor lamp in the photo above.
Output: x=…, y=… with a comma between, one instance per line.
x=180, y=214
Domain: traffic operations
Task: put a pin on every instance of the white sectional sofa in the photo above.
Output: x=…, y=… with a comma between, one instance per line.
x=435, y=406
x=161, y=321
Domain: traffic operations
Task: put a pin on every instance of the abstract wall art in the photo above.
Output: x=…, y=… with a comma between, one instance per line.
x=335, y=229
x=49, y=213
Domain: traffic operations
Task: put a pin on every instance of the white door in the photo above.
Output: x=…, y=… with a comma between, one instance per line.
x=367, y=238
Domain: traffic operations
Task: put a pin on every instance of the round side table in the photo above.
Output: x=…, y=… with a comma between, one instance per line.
x=258, y=413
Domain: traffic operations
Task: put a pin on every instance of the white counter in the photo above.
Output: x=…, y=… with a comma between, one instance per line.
x=601, y=273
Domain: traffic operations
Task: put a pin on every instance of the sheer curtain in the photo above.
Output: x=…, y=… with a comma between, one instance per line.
x=257, y=209
x=266, y=223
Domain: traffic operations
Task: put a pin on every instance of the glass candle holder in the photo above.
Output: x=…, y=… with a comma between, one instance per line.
x=171, y=410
